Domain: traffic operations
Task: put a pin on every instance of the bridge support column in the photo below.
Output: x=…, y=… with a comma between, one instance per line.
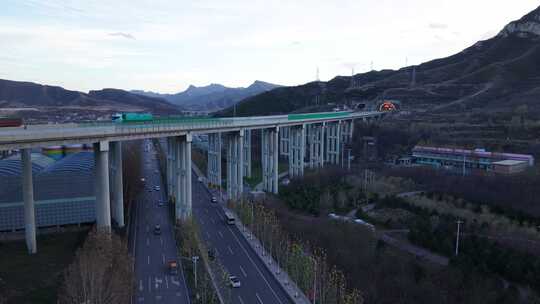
x=234, y=164
x=333, y=143
x=316, y=145
x=28, y=197
x=169, y=168
x=183, y=177
x=117, y=183
x=297, y=150
x=346, y=131
x=101, y=181
x=270, y=158
x=247, y=154
x=214, y=159
x=284, y=141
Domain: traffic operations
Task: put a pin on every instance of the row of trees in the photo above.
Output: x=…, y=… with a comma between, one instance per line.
x=515, y=196
x=101, y=272
x=191, y=246
x=306, y=265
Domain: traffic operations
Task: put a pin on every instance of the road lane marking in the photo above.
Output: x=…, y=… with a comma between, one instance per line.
x=161, y=240
x=242, y=269
x=255, y=265
x=167, y=281
x=207, y=234
x=163, y=258
x=240, y=298
x=147, y=242
x=220, y=234
x=149, y=284
x=140, y=285
x=202, y=222
x=230, y=250
x=220, y=216
x=213, y=221
x=259, y=298
x=148, y=260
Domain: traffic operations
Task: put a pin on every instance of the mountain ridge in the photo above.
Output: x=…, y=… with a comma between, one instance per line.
x=497, y=74
x=29, y=94
x=211, y=97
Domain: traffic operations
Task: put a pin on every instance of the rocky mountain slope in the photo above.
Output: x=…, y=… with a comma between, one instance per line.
x=212, y=97
x=494, y=75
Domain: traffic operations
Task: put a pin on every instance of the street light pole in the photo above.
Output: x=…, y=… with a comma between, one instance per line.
x=195, y=259
x=314, y=280
x=457, y=236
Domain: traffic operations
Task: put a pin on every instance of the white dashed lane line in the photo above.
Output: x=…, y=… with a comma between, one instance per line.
x=243, y=271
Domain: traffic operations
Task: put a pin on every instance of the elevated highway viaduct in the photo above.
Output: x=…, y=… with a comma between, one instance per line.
x=313, y=137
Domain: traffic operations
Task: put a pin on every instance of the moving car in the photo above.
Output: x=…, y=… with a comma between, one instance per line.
x=229, y=218
x=157, y=229
x=173, y=267
x=213, y=200
x=235, y=282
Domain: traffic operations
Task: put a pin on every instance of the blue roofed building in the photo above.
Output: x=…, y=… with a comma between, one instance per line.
x=63, y=192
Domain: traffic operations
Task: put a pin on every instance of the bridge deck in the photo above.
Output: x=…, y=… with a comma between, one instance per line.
x=63, y=134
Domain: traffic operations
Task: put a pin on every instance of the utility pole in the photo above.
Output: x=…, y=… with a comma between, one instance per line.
x=459, y=222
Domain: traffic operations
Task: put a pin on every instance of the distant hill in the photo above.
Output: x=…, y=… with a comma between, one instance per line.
x=498, y=74
x=212, y=97
x=42, y=99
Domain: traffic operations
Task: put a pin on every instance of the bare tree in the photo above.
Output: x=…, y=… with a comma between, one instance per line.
x=101, y=272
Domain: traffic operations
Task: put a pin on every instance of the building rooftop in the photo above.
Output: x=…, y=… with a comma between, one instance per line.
x=71, y=177
x=509, y=162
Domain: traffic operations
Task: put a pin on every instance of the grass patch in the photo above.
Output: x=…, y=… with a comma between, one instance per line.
x=36, y=278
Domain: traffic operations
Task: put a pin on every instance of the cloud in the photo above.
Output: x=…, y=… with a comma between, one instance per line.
x=438, y=26
x=123, y=35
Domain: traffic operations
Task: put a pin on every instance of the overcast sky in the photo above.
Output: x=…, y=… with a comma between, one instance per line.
x=166, y=45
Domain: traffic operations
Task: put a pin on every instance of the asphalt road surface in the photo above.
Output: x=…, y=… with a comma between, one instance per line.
x=152, y=252
x=258, y=286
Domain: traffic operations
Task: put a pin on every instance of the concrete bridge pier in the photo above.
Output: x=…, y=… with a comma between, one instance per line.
x=297, y=150
x=347, y=127
x=270, y=158
x=214, y=159
x=316, y=145
x=284, y=141
x=28, y=197
x=101, y=183
x=333, y=143
x=117, y=183
x=169, y=168
x=235, y=157
x=183, y=176
x=247, y=154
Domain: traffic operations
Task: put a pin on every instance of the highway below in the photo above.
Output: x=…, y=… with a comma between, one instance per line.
x=151, y=251
x=258, y=285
